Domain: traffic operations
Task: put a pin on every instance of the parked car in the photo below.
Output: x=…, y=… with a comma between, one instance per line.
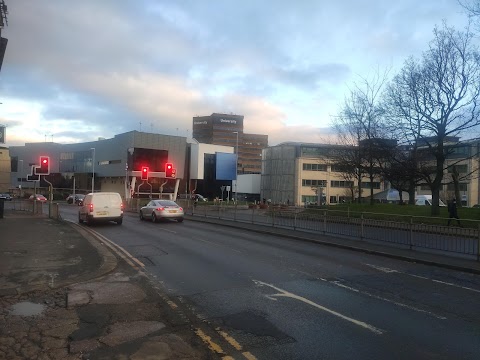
x=38, y=197
x=162, y=209
x=77, y=199
x=426, y=200
x=6, y=197
x=101, y=206
x=197, y=197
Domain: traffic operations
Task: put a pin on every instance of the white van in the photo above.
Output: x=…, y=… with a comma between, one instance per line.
x=426, y=200
x=101, y=206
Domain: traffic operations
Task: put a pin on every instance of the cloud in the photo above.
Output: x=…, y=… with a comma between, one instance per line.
x=105, y=67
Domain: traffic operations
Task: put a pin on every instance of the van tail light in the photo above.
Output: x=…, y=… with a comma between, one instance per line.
x=121, y=206
x=90, y=208
x=160, y=209
x=181, y=209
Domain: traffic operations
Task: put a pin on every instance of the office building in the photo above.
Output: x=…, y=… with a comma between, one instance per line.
x=227, y=130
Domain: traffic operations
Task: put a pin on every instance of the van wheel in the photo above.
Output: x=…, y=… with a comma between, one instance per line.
x=119, y=222
x=89, y=220
x=80, y=221
x=180, y=220
x=154, y=217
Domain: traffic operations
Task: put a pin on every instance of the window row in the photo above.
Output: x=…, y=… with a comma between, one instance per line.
x=323, y=167
x=339, y=184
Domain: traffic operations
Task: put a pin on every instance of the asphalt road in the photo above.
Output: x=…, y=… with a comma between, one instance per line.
x=286, y=299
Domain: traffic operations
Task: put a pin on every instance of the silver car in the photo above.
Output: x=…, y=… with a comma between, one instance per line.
x=161, y=209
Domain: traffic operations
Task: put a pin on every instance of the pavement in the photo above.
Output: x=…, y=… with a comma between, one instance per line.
x=66, y=294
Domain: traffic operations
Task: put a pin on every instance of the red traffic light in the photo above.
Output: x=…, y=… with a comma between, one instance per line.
x=170, y=172
x=44, y=168
x=144, y=173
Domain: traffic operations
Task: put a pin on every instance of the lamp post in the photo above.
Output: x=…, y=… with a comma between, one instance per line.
x=21, y=179
x=236, y=165
x=93, y=170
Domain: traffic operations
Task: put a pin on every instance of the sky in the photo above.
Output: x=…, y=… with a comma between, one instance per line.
x=75, y=71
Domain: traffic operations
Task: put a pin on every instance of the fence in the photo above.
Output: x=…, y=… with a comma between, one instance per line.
x=39, y=208
x=405, y=231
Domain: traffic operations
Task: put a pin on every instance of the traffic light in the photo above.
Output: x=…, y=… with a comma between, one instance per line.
x=170, y=172
x=44, y=168
x=144, y=173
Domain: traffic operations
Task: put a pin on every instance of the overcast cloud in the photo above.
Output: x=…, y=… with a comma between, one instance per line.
x=76, y=71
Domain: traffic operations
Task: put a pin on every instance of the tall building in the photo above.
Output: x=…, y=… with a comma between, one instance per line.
x=227, y=130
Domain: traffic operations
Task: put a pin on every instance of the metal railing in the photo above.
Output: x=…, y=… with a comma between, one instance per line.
x=50, y=209
x=405, y=231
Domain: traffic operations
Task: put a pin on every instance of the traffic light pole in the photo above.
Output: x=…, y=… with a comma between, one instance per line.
x=50, y=195
x=145, y=182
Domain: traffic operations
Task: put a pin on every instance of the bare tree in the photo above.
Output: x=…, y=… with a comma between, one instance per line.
x=436, y=100
x=472, y=7
x=358, y=124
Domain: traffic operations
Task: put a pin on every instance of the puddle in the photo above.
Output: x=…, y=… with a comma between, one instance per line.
x=27, y=309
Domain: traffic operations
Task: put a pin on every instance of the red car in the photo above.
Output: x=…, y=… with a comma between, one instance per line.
x=38, y=197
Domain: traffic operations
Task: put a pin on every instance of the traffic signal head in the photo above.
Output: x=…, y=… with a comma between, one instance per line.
x=44, y=168
x=170, y=172
x=144, y=173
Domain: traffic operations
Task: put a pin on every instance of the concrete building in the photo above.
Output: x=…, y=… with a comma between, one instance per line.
x=4, y=169
x=113, y=164
x=227, y=130
x=298, y=173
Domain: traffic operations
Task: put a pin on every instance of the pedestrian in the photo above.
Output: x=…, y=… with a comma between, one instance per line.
x=452, y=212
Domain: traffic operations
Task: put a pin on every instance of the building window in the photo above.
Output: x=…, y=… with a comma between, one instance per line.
x=369, y=185
x=314, y=167
x=314, y=183
x=333, y=199
x=461, y=169
x=341, y=184
x=108, y=162
x=344, y=199
x=461, y=187
x=337, y=168
x=309, y=199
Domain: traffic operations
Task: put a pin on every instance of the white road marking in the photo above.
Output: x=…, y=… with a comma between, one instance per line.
x=337, y=283
x=422, y=277
x=284, y=293
x=383, y=269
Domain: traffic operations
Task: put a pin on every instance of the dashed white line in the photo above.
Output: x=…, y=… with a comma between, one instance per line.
x=337, y=283
x=387, y=270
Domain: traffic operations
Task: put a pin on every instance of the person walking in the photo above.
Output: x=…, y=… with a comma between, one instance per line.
x=452, y=212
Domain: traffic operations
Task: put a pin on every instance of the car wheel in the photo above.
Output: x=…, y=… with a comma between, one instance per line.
x=154, y=217
x=141, y=216
x=180, y=220
x=119, y=222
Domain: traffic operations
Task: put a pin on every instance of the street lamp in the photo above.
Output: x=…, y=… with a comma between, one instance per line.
x=236, y=165
x=93, y=170
x=21, y=179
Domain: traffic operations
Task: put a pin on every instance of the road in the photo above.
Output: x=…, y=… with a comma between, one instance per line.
x=277, y=298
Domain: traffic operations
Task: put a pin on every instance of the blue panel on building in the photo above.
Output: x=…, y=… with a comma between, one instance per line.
x=226, y=166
